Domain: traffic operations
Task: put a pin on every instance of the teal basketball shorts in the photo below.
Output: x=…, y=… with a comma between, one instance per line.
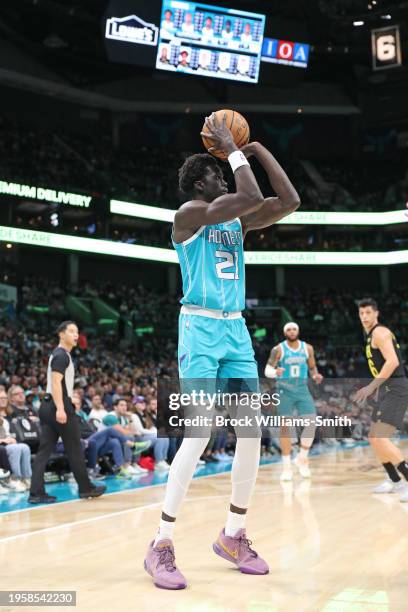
x=218, y=351
x=296, y=399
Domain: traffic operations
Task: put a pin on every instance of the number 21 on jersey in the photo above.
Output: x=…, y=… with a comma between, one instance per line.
x=230, y=260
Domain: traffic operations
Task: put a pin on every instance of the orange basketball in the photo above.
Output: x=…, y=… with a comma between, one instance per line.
x=239, y=128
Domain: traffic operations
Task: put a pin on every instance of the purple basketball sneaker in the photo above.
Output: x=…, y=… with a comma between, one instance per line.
x=238, y=550
x=160, y=563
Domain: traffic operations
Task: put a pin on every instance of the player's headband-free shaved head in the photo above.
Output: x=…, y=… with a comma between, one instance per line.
x=289, y=326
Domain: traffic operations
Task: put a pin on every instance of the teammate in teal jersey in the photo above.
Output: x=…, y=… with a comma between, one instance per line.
x=290, y=362
x=214, y=343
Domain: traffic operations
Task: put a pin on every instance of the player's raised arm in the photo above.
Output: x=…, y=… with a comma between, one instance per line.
x=211, y=203
x=276, y=208
x=311, y=362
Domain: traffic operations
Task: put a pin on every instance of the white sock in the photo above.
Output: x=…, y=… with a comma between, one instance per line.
x=303, y=453
x=235, y=522
x=287, y=465
x=165, y=532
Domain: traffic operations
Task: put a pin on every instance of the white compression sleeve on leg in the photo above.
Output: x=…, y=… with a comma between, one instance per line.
x=181, y=473
x=244, y=470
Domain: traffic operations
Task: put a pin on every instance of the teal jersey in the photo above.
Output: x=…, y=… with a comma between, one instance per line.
x=294, y=362
x=212, y=267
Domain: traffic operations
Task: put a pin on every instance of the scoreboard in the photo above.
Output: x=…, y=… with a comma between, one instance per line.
x=210, y=41
x=195, y=38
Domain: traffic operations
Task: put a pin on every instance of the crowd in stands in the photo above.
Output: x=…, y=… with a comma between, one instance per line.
x=41, y=304
x=326, y=316
x=77, y=163
x=134, y=302
x=323, y=314
x=93, y=164
x=330, y=314
x=364, y=185
x=116, y=386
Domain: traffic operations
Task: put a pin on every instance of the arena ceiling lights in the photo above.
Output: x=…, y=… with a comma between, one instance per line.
x=155, y=213
x=135, y=251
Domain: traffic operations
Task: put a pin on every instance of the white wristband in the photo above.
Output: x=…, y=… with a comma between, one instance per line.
x=237, y=159
x=270, y=371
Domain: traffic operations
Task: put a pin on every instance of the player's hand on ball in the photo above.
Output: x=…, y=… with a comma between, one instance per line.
x=226, y=129
x=279, y=372
x=219, y=133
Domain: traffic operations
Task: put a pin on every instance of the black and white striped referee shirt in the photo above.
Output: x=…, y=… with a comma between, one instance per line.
x=60, y=361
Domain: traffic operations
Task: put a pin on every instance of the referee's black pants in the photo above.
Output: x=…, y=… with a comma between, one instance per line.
x=51, y=430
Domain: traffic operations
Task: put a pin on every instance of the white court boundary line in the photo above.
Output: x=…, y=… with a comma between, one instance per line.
x=153, y=486
x=102, y=517
x=136, y=489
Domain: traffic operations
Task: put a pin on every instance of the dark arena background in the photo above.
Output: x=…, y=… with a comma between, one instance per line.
x=100, y=104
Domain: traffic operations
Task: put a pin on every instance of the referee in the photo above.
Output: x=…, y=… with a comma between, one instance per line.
x=58, y=419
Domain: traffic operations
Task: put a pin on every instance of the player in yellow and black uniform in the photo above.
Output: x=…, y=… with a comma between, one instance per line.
x=390, y=382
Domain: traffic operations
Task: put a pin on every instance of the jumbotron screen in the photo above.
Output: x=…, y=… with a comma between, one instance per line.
x=191, y=38
x=210, y=41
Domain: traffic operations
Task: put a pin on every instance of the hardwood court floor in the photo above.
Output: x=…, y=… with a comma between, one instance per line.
x=332, y=546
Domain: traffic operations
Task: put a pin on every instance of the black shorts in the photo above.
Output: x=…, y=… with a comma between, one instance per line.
x=392, y=402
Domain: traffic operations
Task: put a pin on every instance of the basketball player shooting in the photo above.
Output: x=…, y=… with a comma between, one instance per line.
x=290, y=362
x=390, y=385
x=214, y=343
